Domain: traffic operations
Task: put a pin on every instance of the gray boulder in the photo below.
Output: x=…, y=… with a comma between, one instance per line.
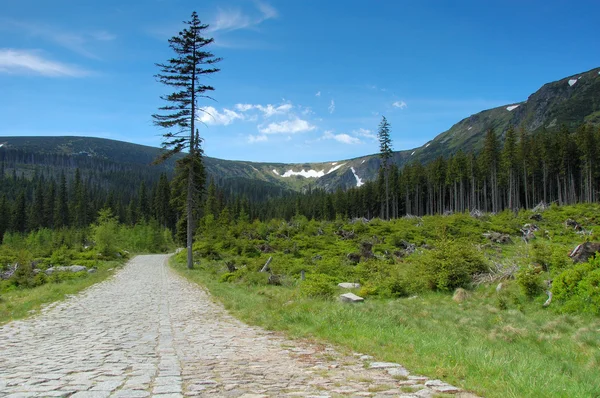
x=69, y=268
x=351, y=298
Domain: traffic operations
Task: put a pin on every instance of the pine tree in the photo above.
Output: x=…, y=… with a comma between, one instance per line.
x=36, y=210
x=4, y=216
x=19, y=218
x=509, y=168
x=191, y=62
x=385, y=153
x=61, y=207
x=211, y=206
x=490, y=159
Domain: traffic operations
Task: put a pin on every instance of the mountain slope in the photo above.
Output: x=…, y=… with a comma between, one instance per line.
x=570, y=101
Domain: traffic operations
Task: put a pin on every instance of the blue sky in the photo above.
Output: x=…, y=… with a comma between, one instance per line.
x=300, y=80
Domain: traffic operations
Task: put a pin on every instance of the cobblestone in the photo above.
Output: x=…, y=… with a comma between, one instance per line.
x=149, y=332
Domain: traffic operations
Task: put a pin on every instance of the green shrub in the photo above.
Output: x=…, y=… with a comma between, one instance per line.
x=106, y=233
x=318, y=286
x=542, y=254
x=207, y=249
x=228, y=277
x=62, y=256
x=578, y=288
x=530, y=280
x=450, y=265
x=254, y=278
x=39, y=280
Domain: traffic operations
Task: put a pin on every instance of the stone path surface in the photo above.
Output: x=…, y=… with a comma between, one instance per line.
x=149, y=332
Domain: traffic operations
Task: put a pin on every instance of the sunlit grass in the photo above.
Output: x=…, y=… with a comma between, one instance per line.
x=19, y=303
x=523, y=351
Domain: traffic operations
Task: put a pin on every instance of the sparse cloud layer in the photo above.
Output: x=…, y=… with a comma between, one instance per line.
x=210, y=115
x=343, y=138
x=31, y=62
x=81, y=43
x=287, y=127
x=331, y=106
x=399, y=104
x=231, y=19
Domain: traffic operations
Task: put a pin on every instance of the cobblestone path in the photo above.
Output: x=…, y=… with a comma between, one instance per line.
x=148, y=332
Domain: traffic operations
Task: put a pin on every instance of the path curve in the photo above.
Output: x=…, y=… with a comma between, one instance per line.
x=149, y=332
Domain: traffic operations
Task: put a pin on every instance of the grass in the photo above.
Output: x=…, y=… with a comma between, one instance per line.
x=20, y=303
x=523, y=351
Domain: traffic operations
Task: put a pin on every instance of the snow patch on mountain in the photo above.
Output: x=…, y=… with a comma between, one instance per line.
x=335, y=168
x=427, y=145
x=413, y=153
x=512, y=107
x=572, y=82
x=364, y=160
x=304, y=173
x=333, y=163
x=275, y=172
x=359, y=181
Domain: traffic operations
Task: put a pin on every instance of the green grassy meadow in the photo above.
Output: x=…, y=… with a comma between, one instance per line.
x=494, y=343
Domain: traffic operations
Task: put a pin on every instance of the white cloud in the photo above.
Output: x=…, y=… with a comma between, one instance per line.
x=318, y=94
x=234, y=19
x=210, y=115
x=27, y=62
x=287, y=127
x=399, y=104
x=76, y=42
x=257, y=138
x=361, y=132
x=331, y=107
x=267, y=110
x=343, y=138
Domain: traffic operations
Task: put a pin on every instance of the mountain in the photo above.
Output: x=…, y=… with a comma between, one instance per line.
x=570, y=101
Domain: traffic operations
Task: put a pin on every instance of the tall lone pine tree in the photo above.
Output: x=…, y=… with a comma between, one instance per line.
x=385, y=152
x=184, y=72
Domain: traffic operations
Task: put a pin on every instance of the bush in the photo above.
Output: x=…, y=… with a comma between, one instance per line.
x=578, y=288
x=106, y=233
x=228, y=277
x=530, y=280
x=253, y=278
x=450, y=265
x=318, y=286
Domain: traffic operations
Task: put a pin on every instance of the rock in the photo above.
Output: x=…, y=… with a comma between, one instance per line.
x=460, y=295
x=499, y=287
x=440, y=386
x=584, y=251
x=384, y=365
x=92, y=271
x=398, y=371
x=70, y=268
x=348, y=285
x=351, y=298
x=317, y=257
x=497, y=237
x=540, y=207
